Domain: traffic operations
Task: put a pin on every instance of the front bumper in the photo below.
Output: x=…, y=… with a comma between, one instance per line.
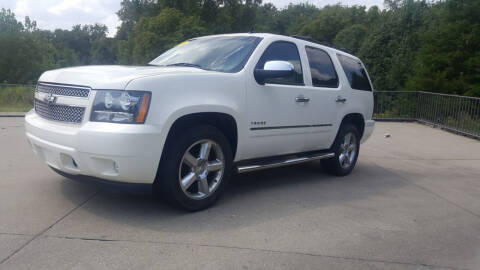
x=118, y=152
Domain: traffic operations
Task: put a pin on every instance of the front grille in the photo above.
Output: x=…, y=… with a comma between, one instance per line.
x=61, y=90
x=63, y=113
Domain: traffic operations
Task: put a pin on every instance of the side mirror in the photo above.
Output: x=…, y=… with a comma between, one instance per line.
x=273, y=69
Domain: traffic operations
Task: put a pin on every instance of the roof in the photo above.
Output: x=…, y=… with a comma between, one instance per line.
x=308, y=40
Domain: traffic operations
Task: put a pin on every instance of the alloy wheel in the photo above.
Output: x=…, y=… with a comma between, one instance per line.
x=348, y=150
x=201, y=169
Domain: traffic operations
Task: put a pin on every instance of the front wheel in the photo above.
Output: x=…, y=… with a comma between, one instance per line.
x=195, y=169
x=346, y=148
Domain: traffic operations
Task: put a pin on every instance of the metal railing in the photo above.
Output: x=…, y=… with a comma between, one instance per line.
x=459, y=114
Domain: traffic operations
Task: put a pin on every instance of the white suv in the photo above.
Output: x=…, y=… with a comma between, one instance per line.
x=209, y=106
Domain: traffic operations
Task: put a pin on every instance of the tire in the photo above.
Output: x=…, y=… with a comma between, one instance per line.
x=195, y=168
x=346, y=154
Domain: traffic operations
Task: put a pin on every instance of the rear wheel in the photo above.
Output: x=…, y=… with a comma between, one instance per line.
x=195, y=169
x=346, y=148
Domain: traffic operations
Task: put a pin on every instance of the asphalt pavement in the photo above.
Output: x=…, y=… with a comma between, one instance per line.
x=413, y=202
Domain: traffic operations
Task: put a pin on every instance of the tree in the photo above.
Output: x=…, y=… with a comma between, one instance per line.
x=24, y=55
x=389, y=48
x=330, y=20
x=351, y=37
x=154, y=35
x=292, y=19
x=411, y=44
x=79, y=40
x=448, y=60
x=8, y=23
x=104, y=51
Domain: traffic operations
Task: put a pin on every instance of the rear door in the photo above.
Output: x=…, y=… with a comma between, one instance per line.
x=327, y=96
x=358, y=84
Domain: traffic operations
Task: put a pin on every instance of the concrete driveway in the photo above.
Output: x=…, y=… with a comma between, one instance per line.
x=413, y=202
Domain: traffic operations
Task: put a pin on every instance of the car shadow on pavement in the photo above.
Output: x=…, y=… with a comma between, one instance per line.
x=249, y=199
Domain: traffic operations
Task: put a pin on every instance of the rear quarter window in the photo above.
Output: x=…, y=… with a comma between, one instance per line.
x=355, y=72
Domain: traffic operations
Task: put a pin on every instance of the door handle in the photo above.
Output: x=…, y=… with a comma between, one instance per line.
x=340, y=99
x=302, y=99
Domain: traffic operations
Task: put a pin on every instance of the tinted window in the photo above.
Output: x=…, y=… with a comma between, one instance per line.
x=283, y=51
x=226, y=54
x=321, y=68
x=356, y=74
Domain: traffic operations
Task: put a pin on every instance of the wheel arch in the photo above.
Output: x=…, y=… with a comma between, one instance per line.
x=355, y=119
x=225, y=122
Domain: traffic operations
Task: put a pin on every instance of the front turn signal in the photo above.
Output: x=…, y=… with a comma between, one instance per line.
x=142, y=113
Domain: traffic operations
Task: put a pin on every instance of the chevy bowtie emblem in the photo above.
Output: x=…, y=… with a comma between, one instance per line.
x=50, y=99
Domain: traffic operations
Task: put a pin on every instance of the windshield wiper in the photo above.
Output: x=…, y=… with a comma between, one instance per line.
x=184, y=65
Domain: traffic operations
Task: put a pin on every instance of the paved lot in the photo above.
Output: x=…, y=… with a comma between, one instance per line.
x=413, y=202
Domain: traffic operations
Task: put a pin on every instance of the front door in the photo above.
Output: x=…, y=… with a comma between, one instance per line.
x=277, y=116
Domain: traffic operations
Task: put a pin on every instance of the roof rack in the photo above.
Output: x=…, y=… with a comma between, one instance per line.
x=310, y=39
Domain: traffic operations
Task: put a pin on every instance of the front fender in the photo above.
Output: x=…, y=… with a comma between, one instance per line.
x=178, y=95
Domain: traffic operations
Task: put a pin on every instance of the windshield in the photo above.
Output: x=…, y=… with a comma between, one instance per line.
x=225, y=54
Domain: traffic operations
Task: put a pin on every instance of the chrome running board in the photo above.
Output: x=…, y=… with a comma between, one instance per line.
x=280, y=163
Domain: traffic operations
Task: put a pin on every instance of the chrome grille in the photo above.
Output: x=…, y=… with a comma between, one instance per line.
x=56, y=112
x=62, y=90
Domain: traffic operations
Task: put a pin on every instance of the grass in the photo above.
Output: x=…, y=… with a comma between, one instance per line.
x=15, y=98
x=15, y=108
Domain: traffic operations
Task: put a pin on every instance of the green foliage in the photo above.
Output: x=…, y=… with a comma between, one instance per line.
x=389, y=49
x=153, y=35
x=103, y=51
x=410, y=45
x=26, y=51
x=79, y=42
x=8, y=23
x=447, y=111
x=400, y=105
x=351, y=37
x=448, y=60
x=331, y=20
x=16, y=98
x=24, y=55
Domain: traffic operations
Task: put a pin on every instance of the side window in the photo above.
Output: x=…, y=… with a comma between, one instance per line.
x=283, y=51
x=356, y=74
x=321, y=67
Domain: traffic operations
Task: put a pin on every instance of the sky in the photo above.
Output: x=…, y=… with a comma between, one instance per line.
x=52, y=14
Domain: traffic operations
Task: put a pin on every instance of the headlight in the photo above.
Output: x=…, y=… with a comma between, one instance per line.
x=120, y=106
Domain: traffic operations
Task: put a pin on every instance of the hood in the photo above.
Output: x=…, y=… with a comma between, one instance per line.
x=108, y=77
